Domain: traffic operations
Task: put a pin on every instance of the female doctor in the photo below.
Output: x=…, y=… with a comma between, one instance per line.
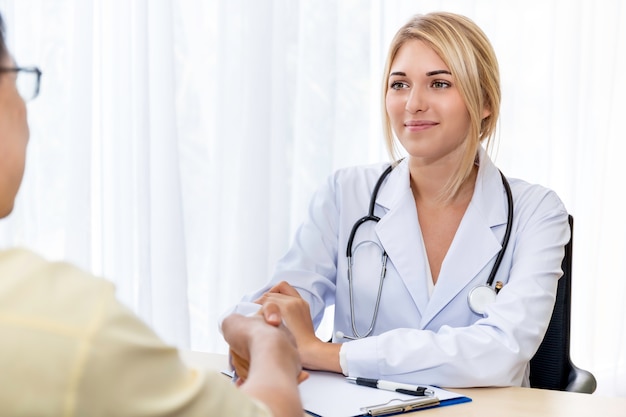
x=414, y=299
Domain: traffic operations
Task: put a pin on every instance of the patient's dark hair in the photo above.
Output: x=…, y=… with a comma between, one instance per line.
x=3, y=46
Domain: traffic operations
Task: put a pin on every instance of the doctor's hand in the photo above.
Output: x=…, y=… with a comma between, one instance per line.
x=262, y=332
x=314, y=353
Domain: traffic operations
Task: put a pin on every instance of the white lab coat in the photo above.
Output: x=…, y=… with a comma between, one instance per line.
x=434, y=340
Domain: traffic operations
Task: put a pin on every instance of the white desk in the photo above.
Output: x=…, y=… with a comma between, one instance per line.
x=489, y=402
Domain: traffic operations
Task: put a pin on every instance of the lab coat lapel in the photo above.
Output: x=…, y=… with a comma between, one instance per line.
x=475, y=245
x=400, y=234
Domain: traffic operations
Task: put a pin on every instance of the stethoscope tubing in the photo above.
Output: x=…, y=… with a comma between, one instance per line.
x=507, y=232
x=369, y=217
x=370, y=212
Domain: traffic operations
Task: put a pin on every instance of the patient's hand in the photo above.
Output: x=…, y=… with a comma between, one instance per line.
x=241, y=364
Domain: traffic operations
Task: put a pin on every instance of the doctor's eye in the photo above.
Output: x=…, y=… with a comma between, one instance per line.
x=439, y=84
x=397, y=85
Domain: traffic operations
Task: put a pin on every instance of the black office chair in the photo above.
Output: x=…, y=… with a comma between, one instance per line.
x=551, y=367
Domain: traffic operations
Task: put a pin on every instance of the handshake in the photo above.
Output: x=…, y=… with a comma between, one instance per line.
x=261, y=346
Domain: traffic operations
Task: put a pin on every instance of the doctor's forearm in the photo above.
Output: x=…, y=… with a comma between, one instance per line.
x=321, y=356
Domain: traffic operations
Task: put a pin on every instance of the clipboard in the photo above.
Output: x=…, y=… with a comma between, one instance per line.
x=327, y=394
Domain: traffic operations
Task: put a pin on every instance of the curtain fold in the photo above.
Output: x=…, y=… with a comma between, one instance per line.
x=175, y=145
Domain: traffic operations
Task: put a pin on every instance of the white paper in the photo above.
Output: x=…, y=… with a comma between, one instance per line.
x=331, y=395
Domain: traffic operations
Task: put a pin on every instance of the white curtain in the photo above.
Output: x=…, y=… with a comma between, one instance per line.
x=175, y=144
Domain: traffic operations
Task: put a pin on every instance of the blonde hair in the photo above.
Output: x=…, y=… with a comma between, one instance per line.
x=467, y=52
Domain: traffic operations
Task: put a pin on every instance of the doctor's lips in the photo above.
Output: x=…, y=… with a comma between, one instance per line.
x=419, y=124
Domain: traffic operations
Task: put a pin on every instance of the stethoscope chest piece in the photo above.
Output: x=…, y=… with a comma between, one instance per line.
x=480, y=297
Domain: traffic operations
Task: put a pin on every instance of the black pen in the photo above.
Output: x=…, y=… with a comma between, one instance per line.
x=392, y=386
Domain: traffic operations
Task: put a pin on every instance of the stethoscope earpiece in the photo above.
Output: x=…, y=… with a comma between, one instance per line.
x=341, y=335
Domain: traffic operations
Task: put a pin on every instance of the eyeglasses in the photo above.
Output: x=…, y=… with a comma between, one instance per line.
x=28, y=81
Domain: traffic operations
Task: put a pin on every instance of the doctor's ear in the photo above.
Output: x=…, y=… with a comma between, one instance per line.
x=486, y=113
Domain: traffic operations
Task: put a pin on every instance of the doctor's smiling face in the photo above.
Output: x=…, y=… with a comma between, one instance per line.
x=441, y=93
x=425, y=108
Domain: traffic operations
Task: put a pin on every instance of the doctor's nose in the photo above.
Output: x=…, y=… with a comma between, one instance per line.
x=415, y=102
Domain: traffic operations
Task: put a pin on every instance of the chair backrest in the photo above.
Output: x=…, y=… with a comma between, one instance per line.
x=551, y=367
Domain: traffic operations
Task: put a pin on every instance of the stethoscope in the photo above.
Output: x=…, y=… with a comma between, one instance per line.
x=478, y=298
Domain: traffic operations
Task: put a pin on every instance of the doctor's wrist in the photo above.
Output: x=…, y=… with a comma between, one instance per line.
x=321, y=356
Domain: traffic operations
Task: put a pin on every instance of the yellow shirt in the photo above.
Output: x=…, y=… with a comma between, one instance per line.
x=69, y=348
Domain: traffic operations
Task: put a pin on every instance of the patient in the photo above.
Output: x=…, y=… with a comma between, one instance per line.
x=68, y=347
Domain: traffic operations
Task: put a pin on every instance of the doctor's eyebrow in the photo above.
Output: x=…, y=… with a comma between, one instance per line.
x=437, y=72
x=428, y=74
